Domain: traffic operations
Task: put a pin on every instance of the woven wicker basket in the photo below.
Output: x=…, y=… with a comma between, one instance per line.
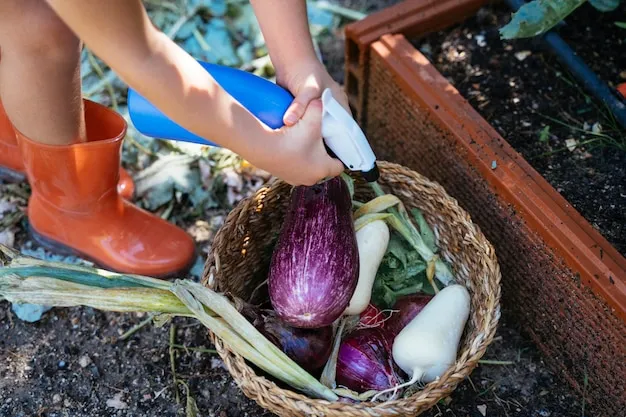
x=239, y=261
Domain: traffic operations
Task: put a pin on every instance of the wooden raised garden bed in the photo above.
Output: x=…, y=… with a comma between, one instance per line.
x=565, y=282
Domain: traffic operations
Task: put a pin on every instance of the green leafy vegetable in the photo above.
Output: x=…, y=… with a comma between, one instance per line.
x=401, y=272
x=537, y=17
x=425, y=231
x=349, y=182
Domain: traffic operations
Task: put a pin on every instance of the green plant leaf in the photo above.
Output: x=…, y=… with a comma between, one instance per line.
x=537, y=17
x=621, y=25
x=401, y=272
x=544, y=135
x=425, y=231
x=605, y=5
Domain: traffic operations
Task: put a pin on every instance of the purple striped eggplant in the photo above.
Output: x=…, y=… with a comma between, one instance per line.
x=315, y=265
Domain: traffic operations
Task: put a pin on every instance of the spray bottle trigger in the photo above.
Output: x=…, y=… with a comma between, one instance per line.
x=344, y=137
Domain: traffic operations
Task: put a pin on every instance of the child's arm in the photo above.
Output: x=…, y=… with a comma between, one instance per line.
x=121, y=34
x=286, y=32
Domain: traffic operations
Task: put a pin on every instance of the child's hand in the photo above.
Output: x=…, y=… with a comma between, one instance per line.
x=298, y=156
x=306, y=82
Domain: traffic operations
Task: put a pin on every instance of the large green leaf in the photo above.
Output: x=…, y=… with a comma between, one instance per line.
x=537, y=17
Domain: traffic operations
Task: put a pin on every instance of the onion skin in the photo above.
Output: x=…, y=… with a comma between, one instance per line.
x=372, y=317
x=365, y=363
x=309, y=348
x=315, y=265
x=408, y=307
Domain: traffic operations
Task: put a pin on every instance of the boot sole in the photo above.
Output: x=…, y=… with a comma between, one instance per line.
x=64, y=250
x=11, y=176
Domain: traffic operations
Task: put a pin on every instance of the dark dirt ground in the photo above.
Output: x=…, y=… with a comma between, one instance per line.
x=71, y=363
x=521, y=98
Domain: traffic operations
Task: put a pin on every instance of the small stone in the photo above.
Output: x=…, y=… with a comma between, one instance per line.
x=217, y=363
x=56, y=398
x=494, y=164
x=117, y=403
x=622, y=75
x=596, y=128
x=62, y=365
x=522, y=55
x=84, y=361
x=515, y=100
x=94, y=371
x=571, y=144
x=480, y=40
x=66, y=403
x=482, y=409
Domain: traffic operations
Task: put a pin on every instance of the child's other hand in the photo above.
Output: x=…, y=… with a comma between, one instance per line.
x=306, y=82
x=300, y=157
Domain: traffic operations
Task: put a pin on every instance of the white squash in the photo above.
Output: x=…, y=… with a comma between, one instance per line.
x=372, y=241
x=428, y=345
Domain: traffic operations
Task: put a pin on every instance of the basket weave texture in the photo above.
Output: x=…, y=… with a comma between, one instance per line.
x=239, y=260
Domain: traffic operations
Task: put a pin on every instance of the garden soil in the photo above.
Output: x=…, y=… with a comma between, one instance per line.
x=541, y=110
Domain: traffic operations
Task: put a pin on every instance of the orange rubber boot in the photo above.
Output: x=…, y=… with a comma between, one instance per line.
x=75, y=206
x=12, y=167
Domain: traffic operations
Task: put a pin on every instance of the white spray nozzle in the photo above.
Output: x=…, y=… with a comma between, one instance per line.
x=345, y=138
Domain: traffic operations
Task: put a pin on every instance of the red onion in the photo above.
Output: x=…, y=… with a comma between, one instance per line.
x=408, y=307
x=309, y=348
x=365, y=362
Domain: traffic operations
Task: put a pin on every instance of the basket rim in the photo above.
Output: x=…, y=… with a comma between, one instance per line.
x=462, y=367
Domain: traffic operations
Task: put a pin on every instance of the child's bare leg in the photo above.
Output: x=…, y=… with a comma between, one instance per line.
x=40, y=84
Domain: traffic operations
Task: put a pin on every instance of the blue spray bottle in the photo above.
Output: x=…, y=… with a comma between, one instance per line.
x=268, y=102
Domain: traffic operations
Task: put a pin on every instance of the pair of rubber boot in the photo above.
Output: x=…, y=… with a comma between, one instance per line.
x=79, y=201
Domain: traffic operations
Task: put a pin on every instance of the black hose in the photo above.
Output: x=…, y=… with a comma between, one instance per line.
x=589, y=80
